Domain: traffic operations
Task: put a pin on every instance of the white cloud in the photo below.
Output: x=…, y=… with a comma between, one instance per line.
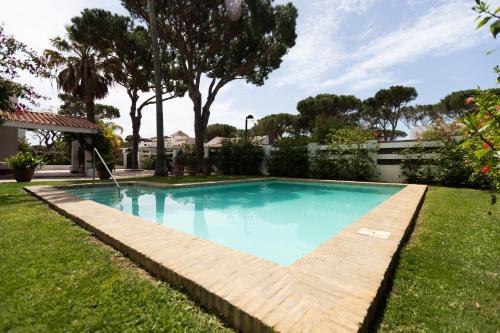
x=317, y=50
x=444, y=29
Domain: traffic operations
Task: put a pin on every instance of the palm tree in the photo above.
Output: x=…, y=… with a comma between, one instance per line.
x=84, y=71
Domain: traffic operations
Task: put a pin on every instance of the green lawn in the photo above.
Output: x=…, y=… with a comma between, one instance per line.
x=448, y=277
x=54, y=276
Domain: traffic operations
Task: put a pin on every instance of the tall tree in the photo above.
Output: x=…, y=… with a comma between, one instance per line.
x=161, y=163
x=384, y=111
x=274, y=125
x=213, y=45
x=84, y=71
x=130, y=46
x=342, y=109
x=222, y=130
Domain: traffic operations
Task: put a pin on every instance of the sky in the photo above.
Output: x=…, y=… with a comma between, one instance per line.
x=343, y=47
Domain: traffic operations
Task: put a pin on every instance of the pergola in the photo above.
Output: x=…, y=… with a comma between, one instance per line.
x=16, y=122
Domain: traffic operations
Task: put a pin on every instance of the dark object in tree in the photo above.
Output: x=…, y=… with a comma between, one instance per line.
x=210, y=45
x=385, y=109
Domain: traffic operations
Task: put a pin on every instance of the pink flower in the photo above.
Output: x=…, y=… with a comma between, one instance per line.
x=469, y=100
x=485, y=169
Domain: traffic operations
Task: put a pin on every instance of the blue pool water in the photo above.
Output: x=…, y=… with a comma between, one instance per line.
x=276, y=220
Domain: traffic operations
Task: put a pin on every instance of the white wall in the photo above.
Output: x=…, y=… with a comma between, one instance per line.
x=387, y=157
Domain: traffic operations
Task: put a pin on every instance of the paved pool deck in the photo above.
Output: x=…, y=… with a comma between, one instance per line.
x=334, y=288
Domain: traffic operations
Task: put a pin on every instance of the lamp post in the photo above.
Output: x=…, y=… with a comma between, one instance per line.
x=246, y=125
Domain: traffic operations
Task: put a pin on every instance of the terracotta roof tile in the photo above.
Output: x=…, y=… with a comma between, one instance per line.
x=47, y=118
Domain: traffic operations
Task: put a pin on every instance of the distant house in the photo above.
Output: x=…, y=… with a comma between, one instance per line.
x=147, y=146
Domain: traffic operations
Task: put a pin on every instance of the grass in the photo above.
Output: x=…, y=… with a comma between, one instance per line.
x=448, y=277
x=54, y=276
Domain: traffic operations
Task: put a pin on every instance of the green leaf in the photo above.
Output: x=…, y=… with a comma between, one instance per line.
x=497, y=11
x=495, y=28
x=483, y=22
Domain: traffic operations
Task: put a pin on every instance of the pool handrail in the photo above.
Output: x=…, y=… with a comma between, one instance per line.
x=106, y=166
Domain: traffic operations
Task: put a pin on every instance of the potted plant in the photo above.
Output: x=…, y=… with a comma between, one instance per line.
x=23, y=165
x=102, y=172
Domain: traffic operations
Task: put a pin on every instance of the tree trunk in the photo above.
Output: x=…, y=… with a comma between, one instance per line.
x=135, y=116
x=199, y=137
x=90, y=108
x=160, y=167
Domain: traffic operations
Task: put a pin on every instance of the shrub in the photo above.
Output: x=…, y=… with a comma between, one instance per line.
x=148, y=162
x=24, y=160
x=239, y=157
x=347, y=158
x=452, y=166
x=290, y=159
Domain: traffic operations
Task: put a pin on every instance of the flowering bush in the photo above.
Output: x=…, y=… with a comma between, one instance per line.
x=482, y=136
x=15, y=57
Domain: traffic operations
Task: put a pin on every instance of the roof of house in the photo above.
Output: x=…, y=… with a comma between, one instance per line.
x=179, y=133
x=48, y=120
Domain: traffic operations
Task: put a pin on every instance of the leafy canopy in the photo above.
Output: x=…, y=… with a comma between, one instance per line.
x=342, y=109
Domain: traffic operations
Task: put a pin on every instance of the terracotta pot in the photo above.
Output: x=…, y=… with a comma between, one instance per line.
x=103, y=174
x=23, y=175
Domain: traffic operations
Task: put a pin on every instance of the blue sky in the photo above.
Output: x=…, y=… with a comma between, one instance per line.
x=343, y=47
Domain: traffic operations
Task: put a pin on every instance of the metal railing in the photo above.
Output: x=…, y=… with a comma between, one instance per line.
x=106, y=166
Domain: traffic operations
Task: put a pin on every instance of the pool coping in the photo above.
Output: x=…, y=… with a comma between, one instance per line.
x=334, y=288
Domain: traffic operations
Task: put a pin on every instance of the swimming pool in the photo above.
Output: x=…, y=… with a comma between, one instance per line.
x=277, y=220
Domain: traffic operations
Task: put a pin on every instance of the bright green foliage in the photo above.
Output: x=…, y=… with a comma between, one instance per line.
x=448, y=275
x=211, y=43
x=55, y=277
x=343, y=110
x=24, y=160
x=450, y=167
x=348, y=156
x=275, y=125
x=488, y=15
x=482, y=135
x=386, y=109
x=238, y=157
x=491, y=16
x=221, y=130
x=290, y=158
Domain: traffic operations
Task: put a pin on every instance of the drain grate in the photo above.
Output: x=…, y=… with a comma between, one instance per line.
x=374, y=233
